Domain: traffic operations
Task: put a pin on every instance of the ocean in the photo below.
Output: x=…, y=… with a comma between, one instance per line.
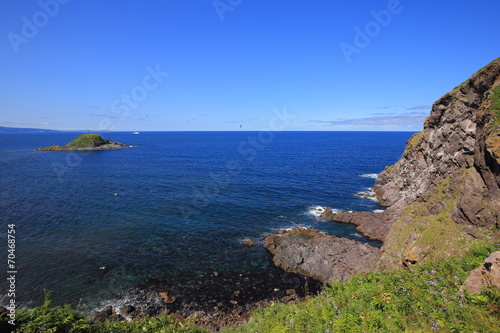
x=175, y=207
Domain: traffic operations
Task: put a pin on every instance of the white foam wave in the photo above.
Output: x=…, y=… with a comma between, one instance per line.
x=316, y=210
x=378, y=211
x=115, y=303
x=369, y=194
x=286, y=228
x=370, y=175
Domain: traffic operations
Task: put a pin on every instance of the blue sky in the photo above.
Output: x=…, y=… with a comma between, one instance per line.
x=218, y=65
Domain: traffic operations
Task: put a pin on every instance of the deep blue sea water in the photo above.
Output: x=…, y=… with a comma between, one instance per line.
x=176, y=204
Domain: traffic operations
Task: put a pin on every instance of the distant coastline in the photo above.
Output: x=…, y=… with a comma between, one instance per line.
x=4, y=129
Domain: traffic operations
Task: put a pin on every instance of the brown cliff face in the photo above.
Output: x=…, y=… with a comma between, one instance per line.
x=453, y=133
x=443, y=193
x=448, y=180
x=454, y=137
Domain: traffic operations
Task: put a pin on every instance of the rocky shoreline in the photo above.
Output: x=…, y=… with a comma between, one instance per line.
x=216, y=300
x=323, y=257
x=304, y=260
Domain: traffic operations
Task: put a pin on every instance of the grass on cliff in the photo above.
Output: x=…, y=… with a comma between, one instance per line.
x=493, y=140
x=495, y=104
x=86, y=140
x=426, y=298
x=426, y=228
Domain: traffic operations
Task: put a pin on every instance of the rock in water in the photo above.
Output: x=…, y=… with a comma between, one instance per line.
x=89, y=141
x=373, y=226
x=248, y=242
x=322, y=257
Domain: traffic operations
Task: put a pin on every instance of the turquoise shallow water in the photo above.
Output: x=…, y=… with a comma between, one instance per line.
x=176, y=205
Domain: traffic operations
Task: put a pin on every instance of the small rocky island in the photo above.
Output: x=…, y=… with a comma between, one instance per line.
x=88, y=141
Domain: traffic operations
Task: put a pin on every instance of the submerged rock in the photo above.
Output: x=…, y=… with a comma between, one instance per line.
x=322, y=257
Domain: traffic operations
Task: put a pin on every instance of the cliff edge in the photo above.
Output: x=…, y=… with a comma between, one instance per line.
x=445, y=189
x=443, y=193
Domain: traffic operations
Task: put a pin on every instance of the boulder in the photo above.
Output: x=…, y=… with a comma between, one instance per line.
x=126, y=310
x=323, y=257
x=485, y=276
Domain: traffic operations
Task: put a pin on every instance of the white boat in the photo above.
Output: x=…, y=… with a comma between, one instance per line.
x=135, y=133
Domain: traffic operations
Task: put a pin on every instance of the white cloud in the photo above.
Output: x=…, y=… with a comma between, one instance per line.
x=398, y=120
x=420, y=107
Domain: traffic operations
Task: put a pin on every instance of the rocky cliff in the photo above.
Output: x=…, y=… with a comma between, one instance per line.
x=454, y=136
x=445, y=189
x=443, y=192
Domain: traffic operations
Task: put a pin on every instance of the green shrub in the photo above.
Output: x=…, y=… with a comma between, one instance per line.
x=49, y=319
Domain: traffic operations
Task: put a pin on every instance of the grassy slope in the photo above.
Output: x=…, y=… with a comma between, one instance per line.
x=86, y=140
x=419, y=235
x=493, y=141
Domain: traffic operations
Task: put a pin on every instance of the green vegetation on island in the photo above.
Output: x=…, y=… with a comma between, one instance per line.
x=87, y=140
